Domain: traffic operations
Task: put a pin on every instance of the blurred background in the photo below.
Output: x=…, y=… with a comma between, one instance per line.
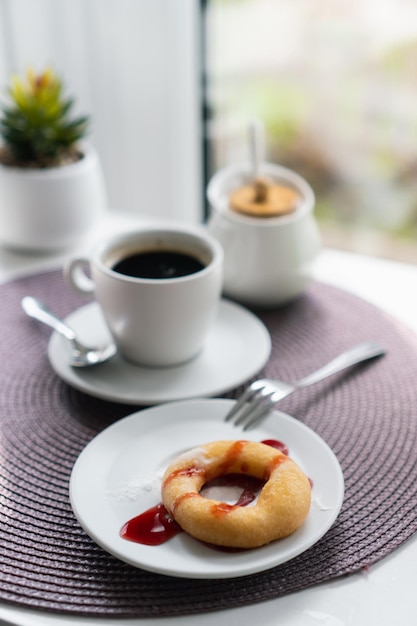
x=335, y=83
x=172, y=85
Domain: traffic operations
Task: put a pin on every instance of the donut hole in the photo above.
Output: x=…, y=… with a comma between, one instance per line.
x=234, y=489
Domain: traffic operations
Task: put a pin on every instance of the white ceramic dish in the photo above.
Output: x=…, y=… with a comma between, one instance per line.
x=267, y=261
x=117, y=477
x=236, y=349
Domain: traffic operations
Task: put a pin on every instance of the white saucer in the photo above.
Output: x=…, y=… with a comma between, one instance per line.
x=236, y=349
x=118, y=476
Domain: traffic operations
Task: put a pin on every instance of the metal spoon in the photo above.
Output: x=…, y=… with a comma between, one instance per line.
x=81, y=355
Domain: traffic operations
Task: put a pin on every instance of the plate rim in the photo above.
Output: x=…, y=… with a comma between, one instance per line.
x=76, y=377
x=221, y=573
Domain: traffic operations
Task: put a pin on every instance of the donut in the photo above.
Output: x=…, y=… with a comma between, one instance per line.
x=281, y=507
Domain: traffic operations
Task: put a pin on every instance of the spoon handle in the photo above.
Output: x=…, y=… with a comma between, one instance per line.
x=37, y=309
x=256, y=146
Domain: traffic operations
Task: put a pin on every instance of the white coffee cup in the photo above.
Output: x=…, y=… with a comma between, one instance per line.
x=268, y=261
x=154, y=321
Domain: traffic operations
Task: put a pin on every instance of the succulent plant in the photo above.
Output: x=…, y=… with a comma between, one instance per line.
x=36, y=127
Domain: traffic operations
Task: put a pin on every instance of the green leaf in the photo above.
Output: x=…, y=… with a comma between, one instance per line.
x=37, y=123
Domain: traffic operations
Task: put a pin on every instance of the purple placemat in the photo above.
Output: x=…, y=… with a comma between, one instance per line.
x=367, y=415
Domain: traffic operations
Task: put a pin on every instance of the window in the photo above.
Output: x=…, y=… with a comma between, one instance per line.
x=334, y=83
x=133, y=65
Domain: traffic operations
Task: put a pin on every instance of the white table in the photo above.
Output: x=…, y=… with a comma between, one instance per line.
x=385, y=594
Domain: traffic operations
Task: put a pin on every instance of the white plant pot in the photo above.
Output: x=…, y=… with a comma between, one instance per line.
x=51, y=209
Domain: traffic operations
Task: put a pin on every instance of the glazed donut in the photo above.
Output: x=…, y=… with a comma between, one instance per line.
x=281, y=507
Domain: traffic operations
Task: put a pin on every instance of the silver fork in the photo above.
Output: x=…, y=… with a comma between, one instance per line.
x=263, y=394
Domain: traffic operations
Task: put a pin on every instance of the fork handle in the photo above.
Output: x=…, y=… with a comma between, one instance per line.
x=364, y=351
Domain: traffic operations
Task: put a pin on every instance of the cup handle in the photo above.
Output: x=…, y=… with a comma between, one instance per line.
x=75, y=273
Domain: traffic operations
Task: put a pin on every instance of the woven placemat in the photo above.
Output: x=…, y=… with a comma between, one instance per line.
x=367, y=415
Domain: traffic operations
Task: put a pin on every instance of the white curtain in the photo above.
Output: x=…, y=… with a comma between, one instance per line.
x=134, y=66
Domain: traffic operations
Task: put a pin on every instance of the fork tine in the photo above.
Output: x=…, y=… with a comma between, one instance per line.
x=258, y=413
x=260, y=397
x=245, y=418
x=240, y=402
x=246, y=396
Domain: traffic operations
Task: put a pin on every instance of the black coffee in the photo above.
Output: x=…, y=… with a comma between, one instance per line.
x=158, y=264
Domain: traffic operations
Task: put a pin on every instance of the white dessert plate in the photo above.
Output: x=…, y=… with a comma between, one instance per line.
x=236, y=349
x=118, y=476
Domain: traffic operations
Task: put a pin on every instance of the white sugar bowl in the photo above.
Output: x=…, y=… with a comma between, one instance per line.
x=268, y=260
